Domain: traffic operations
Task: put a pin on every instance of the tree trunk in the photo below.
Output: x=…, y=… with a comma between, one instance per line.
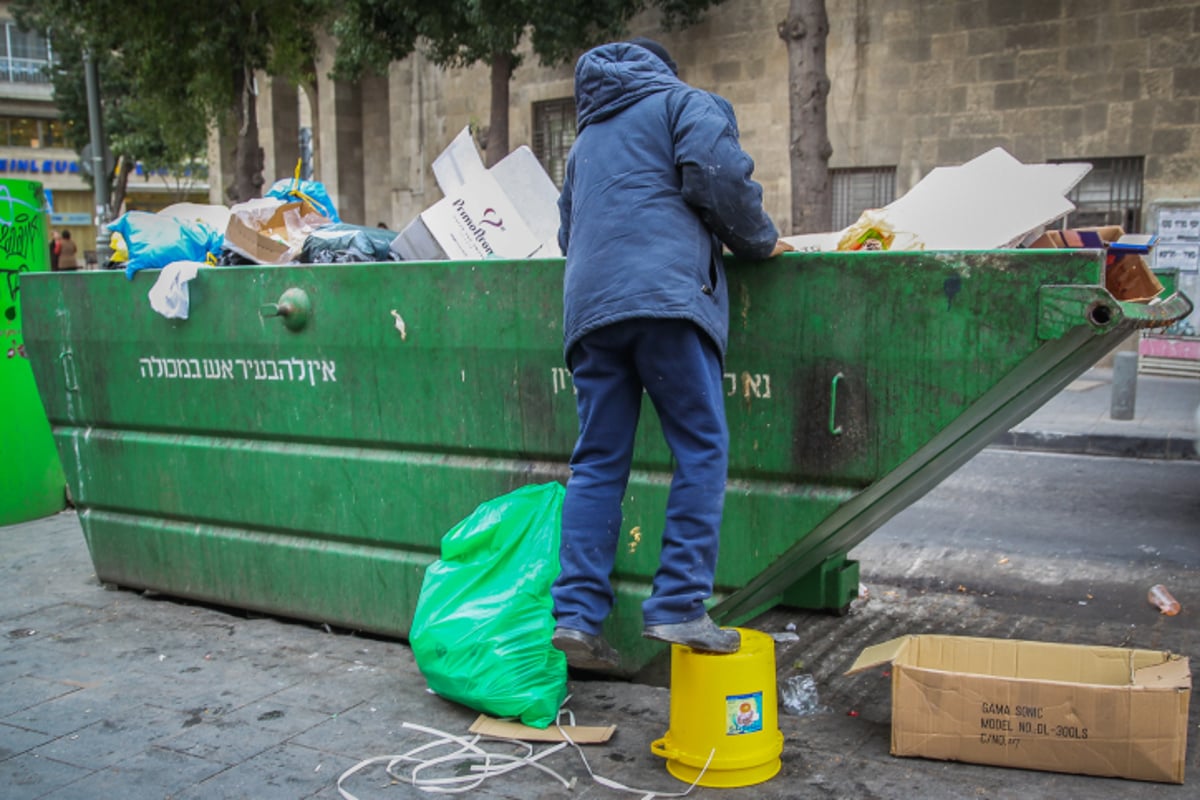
x=805, y=31
x=497, y=137
x=247, y=154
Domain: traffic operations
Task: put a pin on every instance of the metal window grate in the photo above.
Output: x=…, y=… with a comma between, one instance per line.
x=859, y=188
x=553, y=135
x=1111, y=194
x=24, y=56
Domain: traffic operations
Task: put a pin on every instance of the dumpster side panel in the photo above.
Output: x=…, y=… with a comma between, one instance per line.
x=356, y=586
x=868, y=357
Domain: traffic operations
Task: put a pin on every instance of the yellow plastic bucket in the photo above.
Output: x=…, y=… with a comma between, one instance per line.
x=724, y=707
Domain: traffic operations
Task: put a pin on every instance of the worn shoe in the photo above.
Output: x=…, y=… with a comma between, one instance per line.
x=700, y=634
x=585, y=651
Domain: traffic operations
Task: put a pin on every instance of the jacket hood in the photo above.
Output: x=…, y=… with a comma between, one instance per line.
x=614, y=76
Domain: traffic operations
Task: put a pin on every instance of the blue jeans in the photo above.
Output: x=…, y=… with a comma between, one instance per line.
x=679, y=367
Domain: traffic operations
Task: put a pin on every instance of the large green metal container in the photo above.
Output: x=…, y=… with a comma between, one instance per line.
x=33, y=485
x=308, y=464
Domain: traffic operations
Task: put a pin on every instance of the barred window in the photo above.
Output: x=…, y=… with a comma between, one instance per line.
x=24, y=55
x=859, y=188
x=553, y=135
x=1110, y=194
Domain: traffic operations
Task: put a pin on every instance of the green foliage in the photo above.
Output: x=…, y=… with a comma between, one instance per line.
x=458, y=33
x=679, y=14
x=168, y=70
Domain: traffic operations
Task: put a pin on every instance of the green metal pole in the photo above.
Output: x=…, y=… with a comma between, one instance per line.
x=99, y=173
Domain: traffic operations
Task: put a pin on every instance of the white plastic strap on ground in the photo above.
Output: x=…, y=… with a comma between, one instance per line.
x=468, y=750
x=493, y=763
x=647, y=794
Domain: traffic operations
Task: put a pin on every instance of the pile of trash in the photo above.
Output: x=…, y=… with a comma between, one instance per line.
x=995, y=202
x=295, y=222
x=507, y=211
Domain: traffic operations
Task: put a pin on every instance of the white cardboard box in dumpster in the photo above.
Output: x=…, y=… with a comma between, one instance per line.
x=991, y=202
x=508, y=211
x=1106, y=711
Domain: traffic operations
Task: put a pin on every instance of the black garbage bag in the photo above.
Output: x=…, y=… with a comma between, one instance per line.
x=342, y=243
x=229, y=258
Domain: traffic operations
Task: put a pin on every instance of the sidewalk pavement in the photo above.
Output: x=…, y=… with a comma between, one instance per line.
x=107, y=692
x=1079, y=419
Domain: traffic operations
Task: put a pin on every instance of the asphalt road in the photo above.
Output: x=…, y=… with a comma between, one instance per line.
x=1014, y=545
x=1037, y=533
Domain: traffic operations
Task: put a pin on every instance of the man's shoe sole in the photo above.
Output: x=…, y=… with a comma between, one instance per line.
x=581, y=656
x=649, y=633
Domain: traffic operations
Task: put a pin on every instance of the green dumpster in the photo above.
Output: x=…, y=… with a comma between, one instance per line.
x=301, y=443
x=33, y=478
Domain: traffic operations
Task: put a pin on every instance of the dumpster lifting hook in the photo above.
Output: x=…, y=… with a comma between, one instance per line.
x=294, y=306
x=834, y=428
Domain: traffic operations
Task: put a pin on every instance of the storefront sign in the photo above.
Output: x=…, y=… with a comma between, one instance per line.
x=35, y=166
x=71, y=219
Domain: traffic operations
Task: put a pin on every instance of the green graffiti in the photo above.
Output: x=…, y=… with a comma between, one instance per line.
x=21, y=236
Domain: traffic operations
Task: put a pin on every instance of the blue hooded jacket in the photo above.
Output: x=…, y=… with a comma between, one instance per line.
x=655, y=182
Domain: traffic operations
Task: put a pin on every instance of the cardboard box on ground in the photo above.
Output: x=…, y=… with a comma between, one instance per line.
x=507, y=211
x=1104, y=711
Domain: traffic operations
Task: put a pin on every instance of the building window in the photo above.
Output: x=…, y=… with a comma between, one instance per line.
x=1110, y=194
x=24, y=56
x=553, y=135
x=31, y=132
x=857, y=189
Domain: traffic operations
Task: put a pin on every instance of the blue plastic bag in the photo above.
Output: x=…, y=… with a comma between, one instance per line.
x=312, y=192
x=484, y=618
x=155, y=240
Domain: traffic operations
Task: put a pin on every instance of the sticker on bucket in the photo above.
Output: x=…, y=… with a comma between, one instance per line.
x=743, y=713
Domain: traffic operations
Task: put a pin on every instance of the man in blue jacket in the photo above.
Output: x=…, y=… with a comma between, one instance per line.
x=656, y=183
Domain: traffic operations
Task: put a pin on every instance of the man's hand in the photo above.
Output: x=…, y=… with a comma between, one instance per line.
x=781, y=247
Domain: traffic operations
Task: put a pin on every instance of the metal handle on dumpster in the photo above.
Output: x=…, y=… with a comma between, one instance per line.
x=70, y=377
x=294, y=306
x=834, y=428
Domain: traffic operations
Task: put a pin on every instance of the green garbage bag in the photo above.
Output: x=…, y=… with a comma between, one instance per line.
x=482, y=627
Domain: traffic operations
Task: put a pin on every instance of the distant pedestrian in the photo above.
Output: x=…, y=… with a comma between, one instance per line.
x=55, y=250
x=67, y=258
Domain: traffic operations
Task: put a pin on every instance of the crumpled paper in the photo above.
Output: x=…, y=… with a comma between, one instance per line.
x=169, y=295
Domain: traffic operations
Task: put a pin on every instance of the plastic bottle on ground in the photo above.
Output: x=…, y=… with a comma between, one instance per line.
x=1163, y=599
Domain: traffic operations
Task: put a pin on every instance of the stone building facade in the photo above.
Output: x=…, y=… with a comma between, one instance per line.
x=916, y=84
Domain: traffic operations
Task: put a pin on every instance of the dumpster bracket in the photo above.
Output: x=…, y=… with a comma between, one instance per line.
x=1063, y=308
